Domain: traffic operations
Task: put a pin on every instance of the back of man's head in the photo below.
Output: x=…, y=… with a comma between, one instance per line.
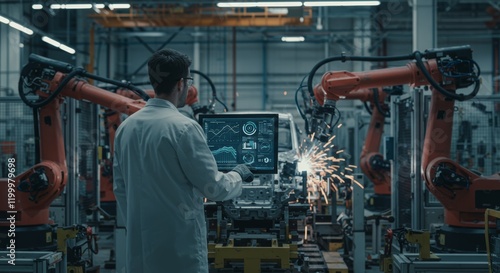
x=166, y=67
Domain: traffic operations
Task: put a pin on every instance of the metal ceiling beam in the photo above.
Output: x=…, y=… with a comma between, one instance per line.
x=161, y=47
x=168, y=16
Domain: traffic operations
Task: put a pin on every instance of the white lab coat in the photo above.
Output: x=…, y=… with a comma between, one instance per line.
x=161, y=169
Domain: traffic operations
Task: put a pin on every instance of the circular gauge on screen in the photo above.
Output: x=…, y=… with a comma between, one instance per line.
x=248, y=159
x=265, y=147
x=249, y=128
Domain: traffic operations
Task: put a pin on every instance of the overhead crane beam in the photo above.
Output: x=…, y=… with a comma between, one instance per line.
x=167, y=16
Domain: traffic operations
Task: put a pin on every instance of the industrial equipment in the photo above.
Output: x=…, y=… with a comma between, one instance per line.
x=372, y=162
x=259, y=230
x=266, y=215
x=492, y=240
x=73, y=255
x=425, y=260
x=192, y=98
x=43, y=85
x=464, y=194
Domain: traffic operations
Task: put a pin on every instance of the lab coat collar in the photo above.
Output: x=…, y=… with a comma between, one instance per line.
x=160, y=103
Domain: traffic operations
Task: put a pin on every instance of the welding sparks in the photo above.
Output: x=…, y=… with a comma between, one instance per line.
x=322, y=167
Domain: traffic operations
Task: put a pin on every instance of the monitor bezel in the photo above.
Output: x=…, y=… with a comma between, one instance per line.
x=274, y=116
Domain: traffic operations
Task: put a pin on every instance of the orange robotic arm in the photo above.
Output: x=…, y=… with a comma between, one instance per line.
x=37, y=187
x=464, y=194
x=373, y=164
x=130, y=94
x=191, y=98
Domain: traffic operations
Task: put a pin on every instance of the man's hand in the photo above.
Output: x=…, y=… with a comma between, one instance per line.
x=244, y=172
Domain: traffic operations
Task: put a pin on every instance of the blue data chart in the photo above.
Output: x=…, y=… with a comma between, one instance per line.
x=225, y=155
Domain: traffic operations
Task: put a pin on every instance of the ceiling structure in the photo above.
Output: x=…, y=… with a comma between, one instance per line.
x=203, y=20
x=168, y=15
x=479, y=18
x=453, y=16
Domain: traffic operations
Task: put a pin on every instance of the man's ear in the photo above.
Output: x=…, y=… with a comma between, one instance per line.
x=179, y=85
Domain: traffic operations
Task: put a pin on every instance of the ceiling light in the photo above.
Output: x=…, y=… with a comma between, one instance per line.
x=340, y=3
x=21, y=28
x=237, y=5
x=55, y=43
x=51, y=41
x=83, y=6
x=37, y=6
x=4, y=20
x=292, y=39
x=96, y=9
x=67, y=49
x=258, y=4
x=71, y=6
x=119, y=6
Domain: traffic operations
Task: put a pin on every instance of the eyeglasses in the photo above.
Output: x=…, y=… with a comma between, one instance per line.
x=189, y=81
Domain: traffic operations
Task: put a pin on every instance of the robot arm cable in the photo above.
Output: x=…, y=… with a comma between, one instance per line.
x=212, y=86
x=459, y=97
x=42, y=63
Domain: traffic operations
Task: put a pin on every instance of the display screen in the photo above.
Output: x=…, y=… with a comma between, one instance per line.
x=250, y=139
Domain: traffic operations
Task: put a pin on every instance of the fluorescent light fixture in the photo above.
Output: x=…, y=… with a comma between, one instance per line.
x=259, y=4
x=21, y=28
x=71, y=6
x=55, y=43
x=83, y=6
x=51, y=41
x=16, y=25
x=119, y=6
x=237, y=5
x=67, y=49
x=340, y=3
x=4, y=20
x=37, y=6
x=292, y=39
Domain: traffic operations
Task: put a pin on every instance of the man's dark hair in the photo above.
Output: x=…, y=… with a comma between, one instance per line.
x=166, y=67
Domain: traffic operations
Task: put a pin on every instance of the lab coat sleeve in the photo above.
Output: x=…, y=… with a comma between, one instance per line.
x=200, y=167
x=119, y=187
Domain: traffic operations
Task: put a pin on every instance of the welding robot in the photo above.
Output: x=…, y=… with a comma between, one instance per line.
x=44, y=84
x=373, y=164
x=463, y=193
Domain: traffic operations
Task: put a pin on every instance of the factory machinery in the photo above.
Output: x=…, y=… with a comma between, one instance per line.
x=261, y=228
x=373, y=164
x=43, y=85
x=464, y=194
x=265, y=219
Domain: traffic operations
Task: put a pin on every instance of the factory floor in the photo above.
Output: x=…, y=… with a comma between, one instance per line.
x=106, y=244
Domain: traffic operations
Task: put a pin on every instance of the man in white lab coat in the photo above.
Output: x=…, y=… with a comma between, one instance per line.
x=162, y=169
